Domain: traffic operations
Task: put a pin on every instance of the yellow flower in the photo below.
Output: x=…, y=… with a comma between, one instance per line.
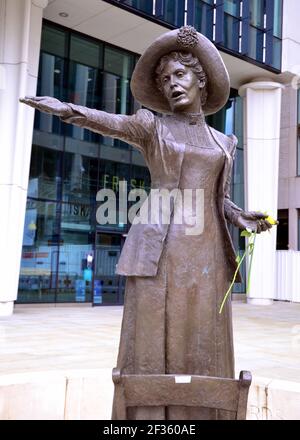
x=271, y=220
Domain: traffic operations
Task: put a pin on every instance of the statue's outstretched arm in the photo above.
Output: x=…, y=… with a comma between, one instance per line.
x=256, y=221
x=137, y=129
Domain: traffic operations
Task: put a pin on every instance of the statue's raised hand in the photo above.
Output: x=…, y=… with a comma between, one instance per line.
x=47, y=104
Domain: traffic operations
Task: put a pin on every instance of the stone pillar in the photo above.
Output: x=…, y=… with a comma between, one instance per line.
x=262, y=110
x=20, y=32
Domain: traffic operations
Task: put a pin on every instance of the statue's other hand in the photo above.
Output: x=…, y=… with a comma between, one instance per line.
x=47, y=104
x=256, y=221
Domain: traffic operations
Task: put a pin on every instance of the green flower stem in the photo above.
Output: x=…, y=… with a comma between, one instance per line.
x=232, y=283
x=251, y=261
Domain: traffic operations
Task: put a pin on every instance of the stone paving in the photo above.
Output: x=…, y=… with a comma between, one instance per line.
x=51, y=338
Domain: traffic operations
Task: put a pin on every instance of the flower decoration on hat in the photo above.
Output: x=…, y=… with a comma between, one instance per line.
x=187, y=37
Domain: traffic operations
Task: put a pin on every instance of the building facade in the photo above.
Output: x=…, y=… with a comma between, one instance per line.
x=52, y=247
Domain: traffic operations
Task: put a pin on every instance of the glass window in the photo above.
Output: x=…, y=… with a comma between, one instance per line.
x=277, y=27
x=53, y=41
x=50, y=83
x=283, y=230
x=117, y=97
x=85, y=84
x=108, y=287
x=231, y=32
x=232, y=7
x=37, y=282
x=174, y=12
x=80, y=175
x=118, y=62
x=116, y=94
x=110, y=175
x=257, y=11
x=256, y=43
x=140, y=178
x=141, y=5
x=203, y=17
x=277, y=51
x=238, y=121
x=229, y=121
x=86, y=52
x=76, y=253
x=45, y=173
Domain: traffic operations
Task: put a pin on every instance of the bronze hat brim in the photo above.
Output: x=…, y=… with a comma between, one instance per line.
x=143, y=85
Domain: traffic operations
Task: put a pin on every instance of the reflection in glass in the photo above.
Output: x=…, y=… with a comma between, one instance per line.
x=39, y=259
x=84, y=89
x=76, y=253
x=118, y=62
x=277, y=51
x=86, y=52
x=141, y=5
x=51, y=77
x=44, y=178
x=84, y=81
x=118, y=66
x=174, y=12
x=111, y=174
x=140, y=178
x=53, y=41
x=231, y=32
x=238, y=121
x=256, y=42
x=204, y=17
x=257, y=11
x=277, y=28
x=80, y=177
x=108, y=287
x=232, y=7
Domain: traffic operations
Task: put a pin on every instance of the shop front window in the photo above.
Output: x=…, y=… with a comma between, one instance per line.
x=108, y=287
x=76, y=253
x=38, y=273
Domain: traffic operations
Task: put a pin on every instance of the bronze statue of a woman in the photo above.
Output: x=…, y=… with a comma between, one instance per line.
x=176, y=281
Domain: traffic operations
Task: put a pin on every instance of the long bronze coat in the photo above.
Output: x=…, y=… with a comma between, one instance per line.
x=175, y=284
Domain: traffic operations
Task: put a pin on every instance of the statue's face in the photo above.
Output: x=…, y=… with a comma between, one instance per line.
x=181, y=87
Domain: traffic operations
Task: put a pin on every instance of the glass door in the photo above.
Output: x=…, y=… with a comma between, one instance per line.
x=108, y=287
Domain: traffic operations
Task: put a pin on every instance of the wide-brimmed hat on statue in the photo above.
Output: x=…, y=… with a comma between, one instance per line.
x=185, y=39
